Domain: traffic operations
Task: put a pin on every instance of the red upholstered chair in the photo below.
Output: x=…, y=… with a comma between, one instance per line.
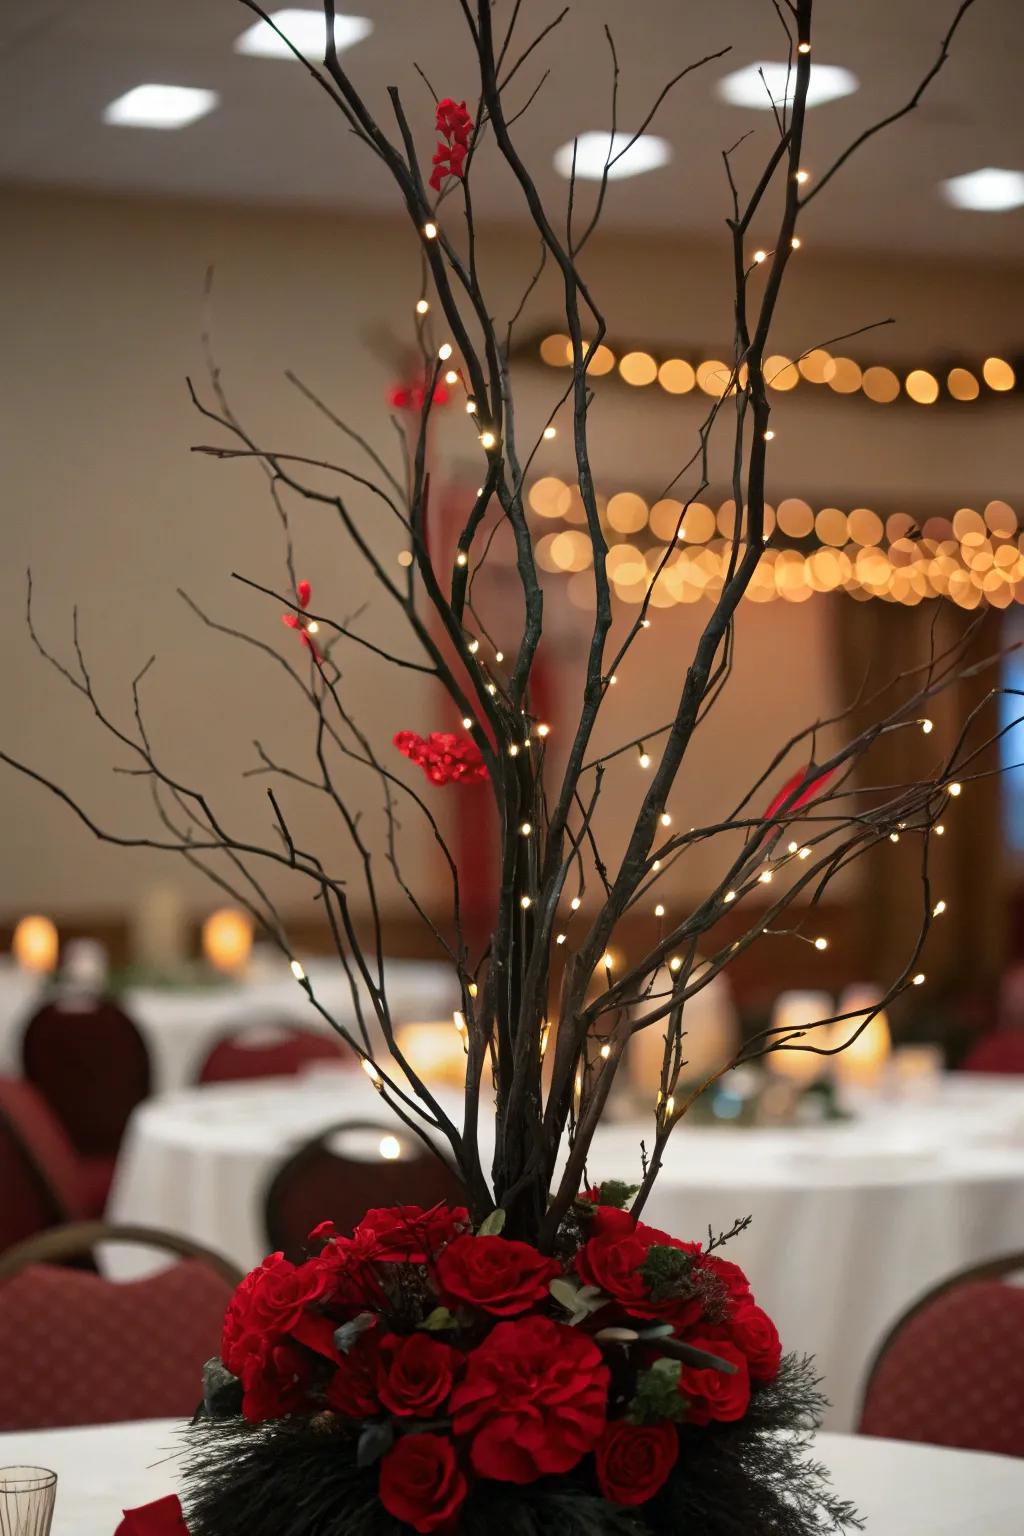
x=1001, y=1051
x=79, y=1349
x=951, y=1372
x=277, y=1050
x=90, y=1063
x=344, y=1171
x=41, y=1178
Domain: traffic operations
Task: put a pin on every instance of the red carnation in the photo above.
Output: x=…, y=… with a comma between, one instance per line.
x=444, y=757
x=420, y=1482
x=533, y=1400
x=408, y=1232
x=455, y=125
x=416, y=1373
x=713, y=1394
x=754, y=1333
x=633, y=1460
x=496, y=1274
x=613, y=1259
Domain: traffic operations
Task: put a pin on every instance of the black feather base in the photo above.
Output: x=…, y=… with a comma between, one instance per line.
x=299, y=1477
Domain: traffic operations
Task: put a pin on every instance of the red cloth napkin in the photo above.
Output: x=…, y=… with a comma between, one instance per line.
x=161, y=1518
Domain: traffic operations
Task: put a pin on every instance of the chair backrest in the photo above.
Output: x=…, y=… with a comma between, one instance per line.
x=80, y=1349
x=951, y=1371
x=91, y=1065
x=40, y=1182
x=276, y=1050
x=344, y=1171
x=1001, y=1051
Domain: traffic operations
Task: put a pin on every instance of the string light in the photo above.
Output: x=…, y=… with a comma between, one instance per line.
x=894, y=837
x=500, y=656
x=656, y=865
x=793, y=848
x=575, y=903
x=459, y=1020
x=492, y=688
x=297, y=971
x=467, y=724
x=473, y=647
x=804, y=853
x=939, y=829
x=451, y=377
x=938, y=909
x=560, y=938
x=729, y=896
x=765, y=877
x=543, y=730
x=549, y=433
x=605, y=1052
x=487, y=439
x=525, y=902
x=644, y=758
x=526, y=828
x=665, y=819
x=955, y=790
x=444, y=351
x=927, y=726
x=422, y=306
x=462, y=558
x=769, y=435
x=675, y=963
x=607, y=961
x=795, y=242
x=472, y=989
x=513, y=749
x=544, y=1036
x=802, y=177
x=405, y=557
x=312, y=628
x=372, y=1073
x=612, y=680
x=919, y=979
x=430, y=231
x=803, y=47
x=670, y=1107
x=659, y=910
x=821, y=943
x=471, y=407
x=760, y=256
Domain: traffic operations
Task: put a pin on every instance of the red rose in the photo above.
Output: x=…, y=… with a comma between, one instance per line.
x=420, y=1482
x=633, y=1460
x=270, y=1303
x=712, y=1394
x=756, y=1336
x=415, y=1373
x=497, y=1274
x=353, y=1389
x=613, y=1260
x=410, y=1234
x=533, y=1399
x=275, y=1386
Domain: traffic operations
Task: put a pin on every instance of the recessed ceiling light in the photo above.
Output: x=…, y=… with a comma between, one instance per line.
x=304, y=28
x=989, y=190
x=593, y=149
x=160, y=106
x=746, y=88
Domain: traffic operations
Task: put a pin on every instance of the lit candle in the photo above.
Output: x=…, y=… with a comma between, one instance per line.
x=864, y=1059
x=711, y=1039
x=227, y=939
x=793, y=1011
x=35, y=944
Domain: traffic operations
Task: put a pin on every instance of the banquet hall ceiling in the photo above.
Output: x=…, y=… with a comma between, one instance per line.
x=274, y=138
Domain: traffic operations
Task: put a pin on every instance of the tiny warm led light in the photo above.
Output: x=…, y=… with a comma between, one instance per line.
x=804, y=853
x=430, y=231
x=451, y=377
x=760, y=256
x=803, y=47
x=821, y=943
x=607, y=960
x=444, y=351
x=927, y=726
x=675, y=963
x=795, y=242
x=729, y=896
x=525, y=901
x=765, y=877
x=645, y=759
x=560, y=939
x=769, y=435
x=802, y=177
x=543, y=730
x=312, y=628
x=956, y=789
x=513, y=750
x=919, y=979
x=492, y=688
x=645, y=623
x=371, y=1071
x=544, y=1035
x=390, y=1148
x=472, y=989
x=549, y=433
x=612, y=680
x=297, y=971
x=526, y=828
x=487, y=439
x=894, y=837
x=405, y=557
x=793, y=847
x=467, y=724
x=939, y=829
x=656, y=865
x=659, y=910
x=575, y=903
x=670, y=1107
x=666, y=819
x=459, y=1020
x=606, y=1051
x=473, y=647
x=422, y=306
x=462, y=558
x=938, y=909
x=471, y=407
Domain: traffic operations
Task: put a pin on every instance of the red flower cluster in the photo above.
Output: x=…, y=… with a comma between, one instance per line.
x=303, y=593
x=455, y=125
x=411, y=397
x=444, y=757
x=453, y=1356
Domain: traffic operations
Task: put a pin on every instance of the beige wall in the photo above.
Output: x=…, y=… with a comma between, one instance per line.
x=102, y=314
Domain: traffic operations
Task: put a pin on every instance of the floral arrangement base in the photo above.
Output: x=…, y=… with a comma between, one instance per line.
x=428, y=1375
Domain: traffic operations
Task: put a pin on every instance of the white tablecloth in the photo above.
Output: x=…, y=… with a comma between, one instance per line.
x=181, y=1026
x=902, y=1490
x=852, y=1222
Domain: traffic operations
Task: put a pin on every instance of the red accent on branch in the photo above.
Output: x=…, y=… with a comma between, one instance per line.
x=805, y=795
x=455, y=125
x=444, y=757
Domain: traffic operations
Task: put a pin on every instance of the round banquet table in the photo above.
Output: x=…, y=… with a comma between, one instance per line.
x=182, y=1025
x=852, y=1221
x=900, y=1489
